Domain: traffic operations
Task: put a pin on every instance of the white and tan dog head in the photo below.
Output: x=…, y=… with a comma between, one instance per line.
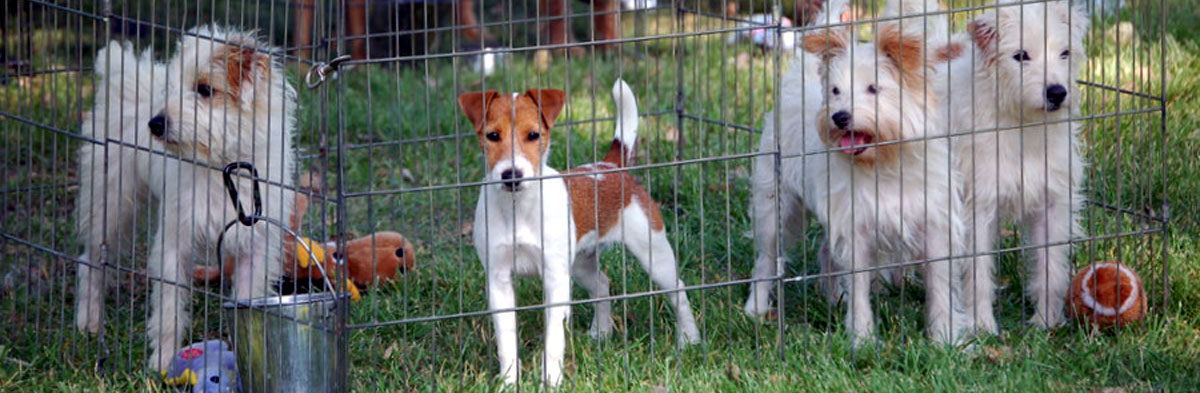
x=225, y=98
x=513, y=130
x=1034, y=51
x=866, y=83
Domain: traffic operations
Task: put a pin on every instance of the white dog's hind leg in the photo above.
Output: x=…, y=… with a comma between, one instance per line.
x=654, y=252
x=105, y=212
x=90, y=292
x=170, y=268
x=944, y=321
x=587, y=273
x=1051, y=270
x=769, y=240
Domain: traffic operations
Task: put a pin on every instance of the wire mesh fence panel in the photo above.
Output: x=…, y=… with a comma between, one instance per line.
x=783, y=186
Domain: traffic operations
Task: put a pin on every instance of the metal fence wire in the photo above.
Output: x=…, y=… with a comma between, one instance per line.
x=349, y=111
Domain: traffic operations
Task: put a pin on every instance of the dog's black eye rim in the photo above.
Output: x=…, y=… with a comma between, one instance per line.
x=204, y=90
x=534, y=135
x=1021, y=55
x=493, y=136
x=871, y=89
x=836, y=91
x=1065, y=54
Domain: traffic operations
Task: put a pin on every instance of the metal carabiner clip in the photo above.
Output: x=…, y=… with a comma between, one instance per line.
x=246, y=220
x=323, y=71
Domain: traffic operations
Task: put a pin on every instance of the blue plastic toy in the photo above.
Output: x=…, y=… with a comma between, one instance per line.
x=207, y=367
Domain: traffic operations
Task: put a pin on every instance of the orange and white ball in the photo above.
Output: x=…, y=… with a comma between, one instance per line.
x=1107, y=293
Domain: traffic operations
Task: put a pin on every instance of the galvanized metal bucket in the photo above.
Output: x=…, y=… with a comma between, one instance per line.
x=288, y=343
x=285, y=343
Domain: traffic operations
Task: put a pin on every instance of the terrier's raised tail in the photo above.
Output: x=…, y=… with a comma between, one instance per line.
x=620, y=153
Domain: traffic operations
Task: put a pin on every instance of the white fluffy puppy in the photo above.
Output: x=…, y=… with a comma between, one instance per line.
x=218, y=100
x=882, y=191
x=1020, y=81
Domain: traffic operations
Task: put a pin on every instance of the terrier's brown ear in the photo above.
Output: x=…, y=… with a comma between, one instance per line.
x=949, y=52
x=244, y=64
x=474, y=105
x=549, y=101
x=810, y=11
x=807, y=10
x=827, y=43
x=908, y=53
x=983, y=32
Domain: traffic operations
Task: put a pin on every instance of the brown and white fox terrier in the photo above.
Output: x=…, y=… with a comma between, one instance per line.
x=521, y=225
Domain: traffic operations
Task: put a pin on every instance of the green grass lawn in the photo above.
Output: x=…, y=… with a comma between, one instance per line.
x=406, y=144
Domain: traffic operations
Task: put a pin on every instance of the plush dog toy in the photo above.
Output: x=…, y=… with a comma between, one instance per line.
x=1107, y=293
x=206, y=367
x=379, y=255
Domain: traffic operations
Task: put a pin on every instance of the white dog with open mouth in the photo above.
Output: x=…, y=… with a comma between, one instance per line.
x=882, y=191
x=220, y=99
x=1012, y=98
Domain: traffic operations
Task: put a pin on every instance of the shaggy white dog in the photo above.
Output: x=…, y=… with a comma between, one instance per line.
x=218, y=100
x=1012, y=98
x=875, y=166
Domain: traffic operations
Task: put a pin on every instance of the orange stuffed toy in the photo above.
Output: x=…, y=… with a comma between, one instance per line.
x=1106, y=294
x=380, y=255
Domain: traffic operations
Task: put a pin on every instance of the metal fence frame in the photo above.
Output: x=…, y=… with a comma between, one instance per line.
x=330, y=96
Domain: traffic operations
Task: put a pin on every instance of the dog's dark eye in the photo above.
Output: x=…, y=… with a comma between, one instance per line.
x=533, y=136
x=1021, y=55
x=400, y=253
x=493, y=136
x=204, y=90
x=836, y=91
x=214, y=379
x=871, y=89
x=1065, y=54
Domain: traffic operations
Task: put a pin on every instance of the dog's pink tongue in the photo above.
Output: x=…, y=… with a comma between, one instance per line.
x=852, y=139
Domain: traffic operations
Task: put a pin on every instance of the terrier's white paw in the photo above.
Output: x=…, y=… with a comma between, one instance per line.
x=757, y=308
x=688, y=337
x=1047, y=322
x=88, y=321
x=160, y=359
x=601, y=329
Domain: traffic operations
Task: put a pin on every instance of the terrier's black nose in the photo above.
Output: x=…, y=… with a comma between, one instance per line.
x=841, y=119
x=158, y=125
x=510, y=174
x=512, y=177
x=1056, y=94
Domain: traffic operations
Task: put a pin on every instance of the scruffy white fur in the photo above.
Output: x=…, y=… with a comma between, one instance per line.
x=118, y=181
x=877, y=207
x=1032, y=174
